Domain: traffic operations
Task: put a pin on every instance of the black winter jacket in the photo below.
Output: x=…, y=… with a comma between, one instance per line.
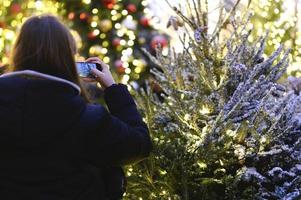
x=54, y=146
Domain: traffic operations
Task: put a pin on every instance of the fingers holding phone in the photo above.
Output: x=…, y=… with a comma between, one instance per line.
x=101, y=73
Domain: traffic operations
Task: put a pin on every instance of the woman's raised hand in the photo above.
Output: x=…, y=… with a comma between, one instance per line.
x=104, y=77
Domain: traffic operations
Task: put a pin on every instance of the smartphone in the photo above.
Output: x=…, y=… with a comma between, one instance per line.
x=84, y=69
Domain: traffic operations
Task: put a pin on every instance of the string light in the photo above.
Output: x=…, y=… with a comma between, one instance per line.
x=95, y=18
x=93, y=24
x=120, y=33
x=102, y=36
x=105, y=43
x=126, y=65
x=125, y=79
x=106, y=59
x=165, y=52
x=135, y=62
x=96, y=32
x=128, y=71
x=9, y=35
x=129, y=17
x=86, y=1
x=124, y=12
x=94, y=10
x=104, y=50
x=6, y=3
x=31, y=4
x=117, y=26
x=138, y=70
x=204, y=110
x=132, y=37
x=186, y=117
x=129, y=51
x=144, y=3
x=39, y=5
x=122, y=42
x=113, y=12
x=116, y=7
x=124, y=58
x=130, y=42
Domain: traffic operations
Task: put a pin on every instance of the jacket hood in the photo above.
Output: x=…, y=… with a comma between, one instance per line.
x=37, y=108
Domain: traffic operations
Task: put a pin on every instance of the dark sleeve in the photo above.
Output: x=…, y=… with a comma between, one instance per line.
x=125, y=136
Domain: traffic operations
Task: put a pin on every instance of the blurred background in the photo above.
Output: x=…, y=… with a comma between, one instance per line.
x=116, y=30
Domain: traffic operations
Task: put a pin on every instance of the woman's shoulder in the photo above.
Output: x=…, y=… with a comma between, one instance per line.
x=95, y=112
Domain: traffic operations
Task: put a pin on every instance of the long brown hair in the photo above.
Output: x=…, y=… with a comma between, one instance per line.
x=45, y=45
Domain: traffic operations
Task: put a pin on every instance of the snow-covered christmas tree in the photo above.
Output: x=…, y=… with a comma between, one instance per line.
x=223, y=127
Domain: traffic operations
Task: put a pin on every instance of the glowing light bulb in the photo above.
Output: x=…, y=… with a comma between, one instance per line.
x=117, y=26
x=6, y=3
x=124, y=12
x=96, y=32
x=122, y=42
x=104, y=50
x=39, y=5
x=204, y=110
x=128, y=70
x=94, y=10
x=105, y=43
x=9, y=35
x=126, y=65
x=113, y=12
x=86, y=1
x=102, y=36
x=129, y=17
x=106, y=59
x=186, y=117
x=144, y=3
x=130, y=42
x=125, y=79
x=93, y=24
x=120, y=33
x=138, y=70
x=132, y=37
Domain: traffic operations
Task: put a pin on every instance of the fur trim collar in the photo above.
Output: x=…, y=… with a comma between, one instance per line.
x=42, y=75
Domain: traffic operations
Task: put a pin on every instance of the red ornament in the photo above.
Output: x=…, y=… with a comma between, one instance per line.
x=131, y=8
x=144, y=21
x=71, y=15
x=119, y=66
x=159, y=39
x=91, y=35
x=109, y=3
x=116, y=42
x=15, y=8
x=84, y=16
